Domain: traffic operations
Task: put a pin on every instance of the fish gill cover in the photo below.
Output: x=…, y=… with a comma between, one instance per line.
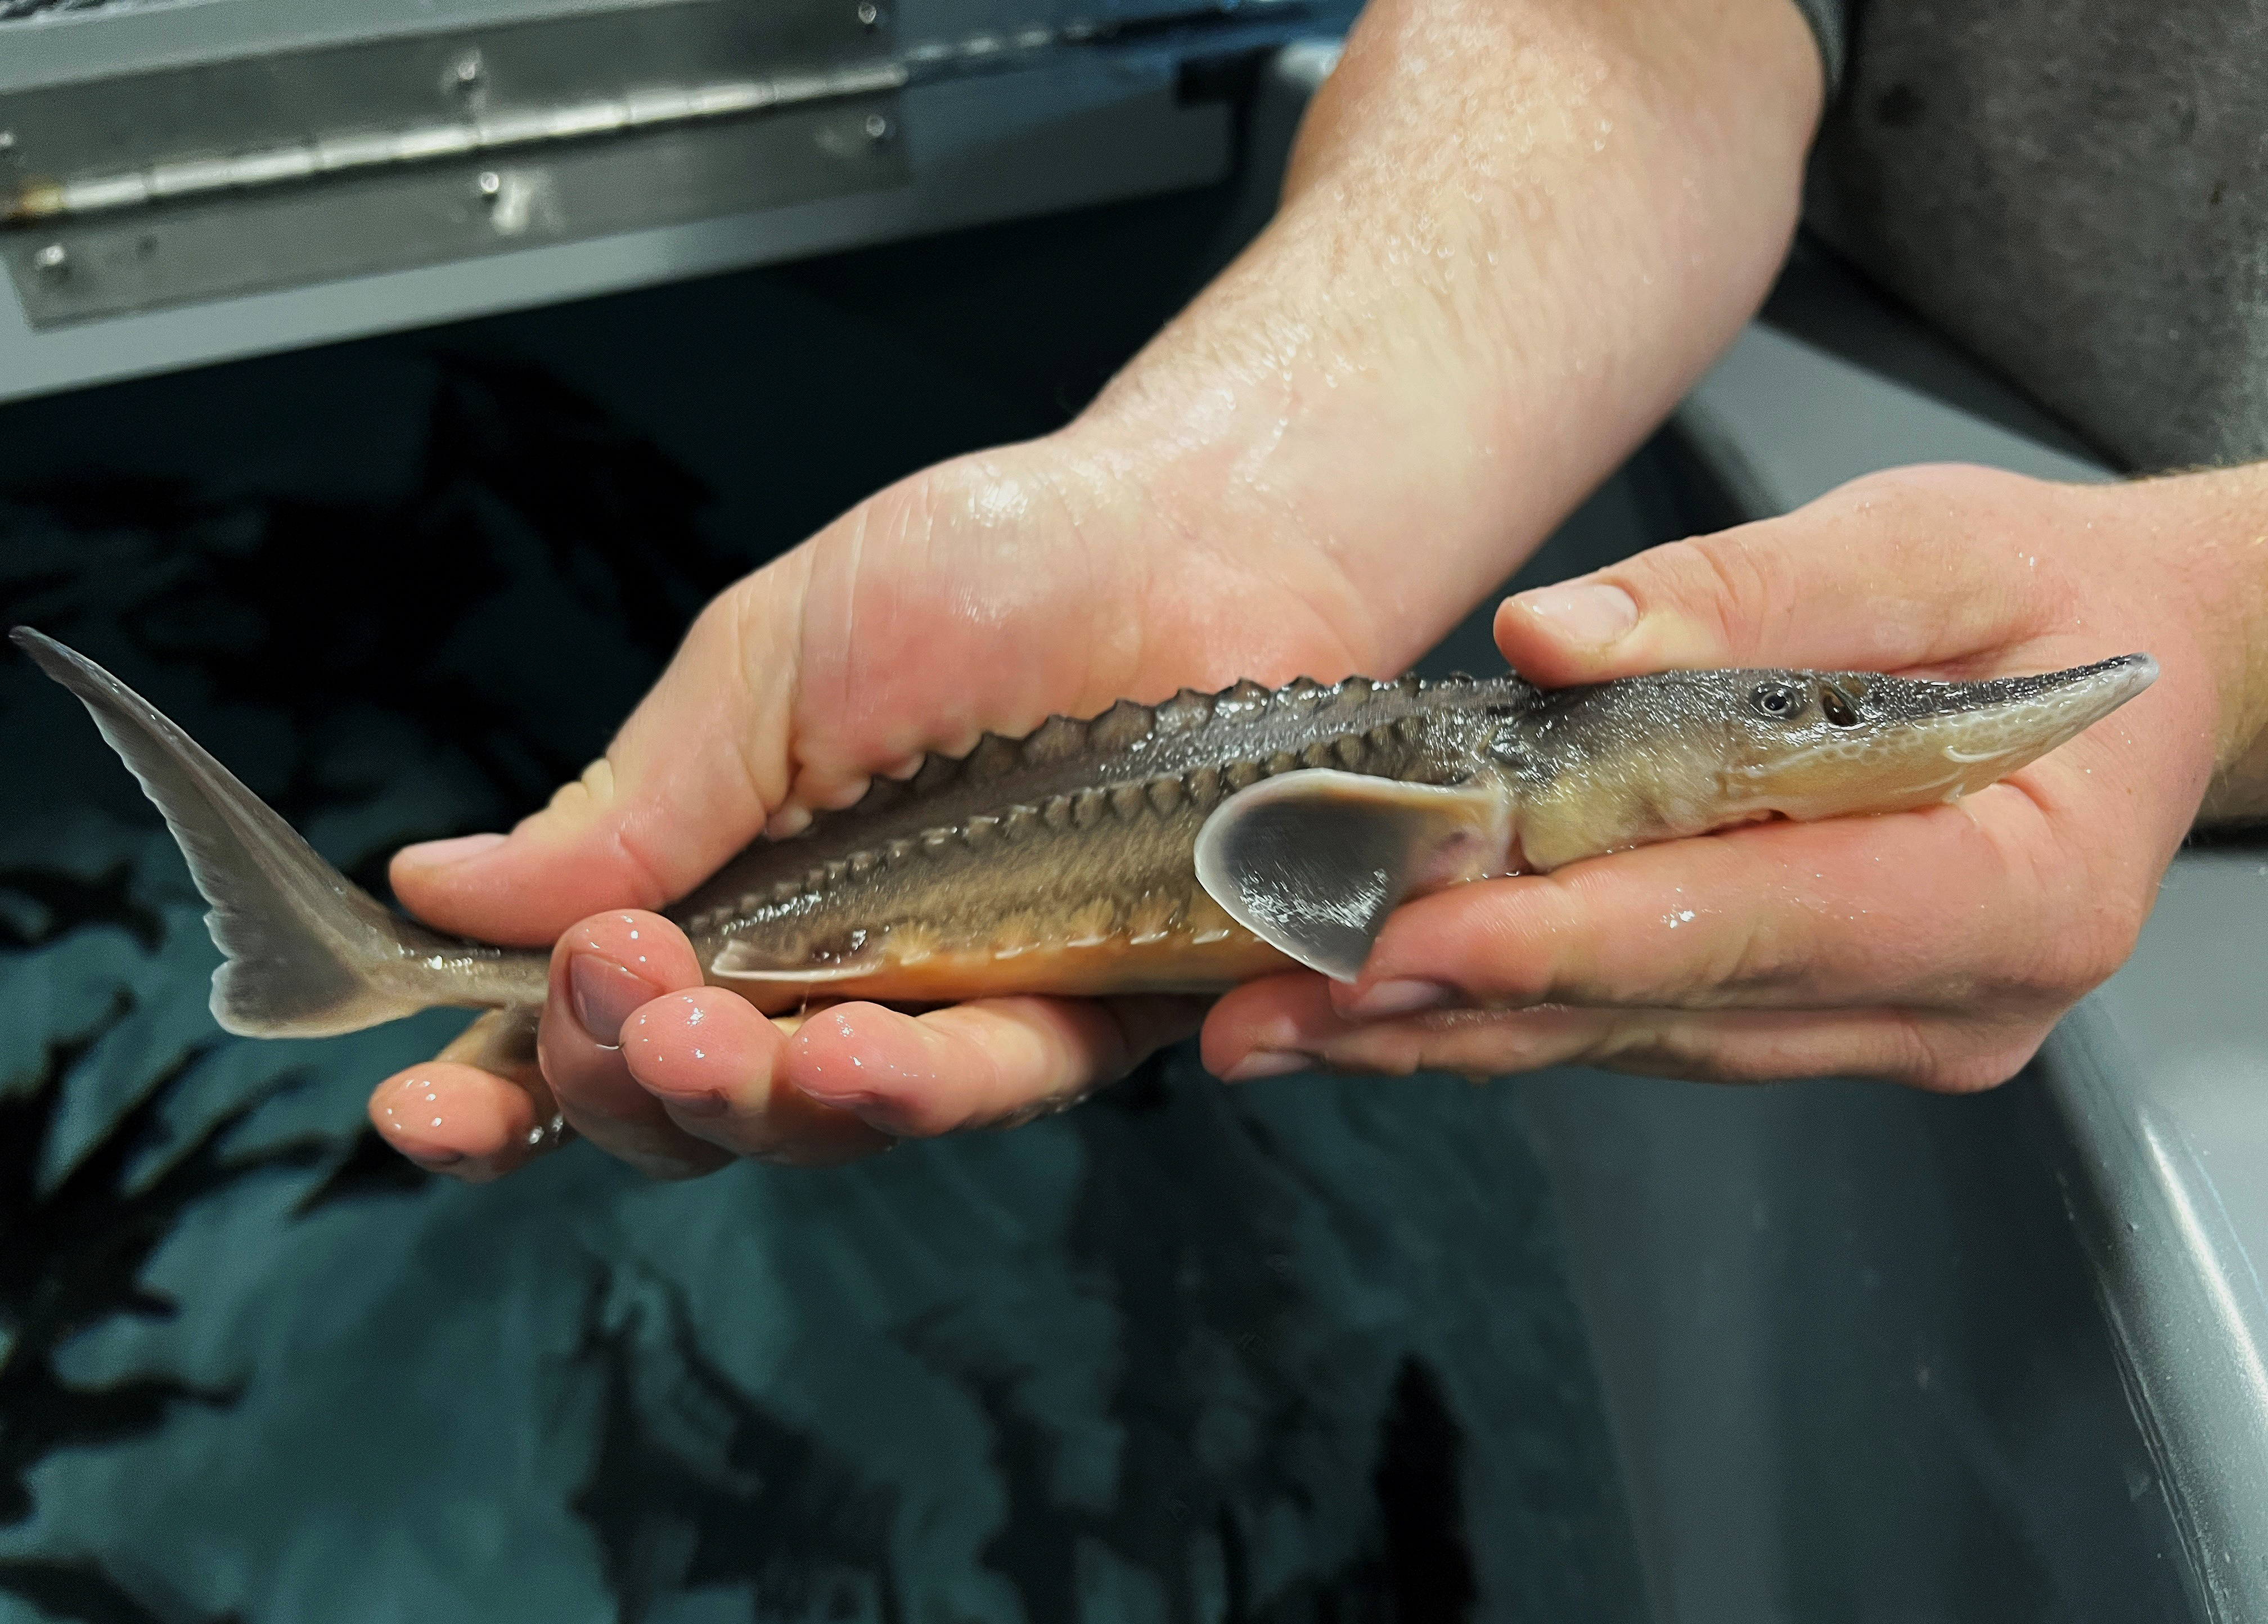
x=1287, y=1353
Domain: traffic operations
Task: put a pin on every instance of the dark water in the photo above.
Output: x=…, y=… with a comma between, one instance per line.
x=1299, y=1352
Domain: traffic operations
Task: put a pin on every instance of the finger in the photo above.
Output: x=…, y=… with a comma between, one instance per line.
x=479, y=1109
x=1287, y=1025
x=686, y=782
x=1898, y=570
x=715, y=1064
x=988, y=1064
x=603, y=972
x=1930, y=908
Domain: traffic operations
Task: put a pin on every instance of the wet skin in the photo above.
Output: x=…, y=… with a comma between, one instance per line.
x=1442, y=342
x=1222, y=511
x=1933, y=946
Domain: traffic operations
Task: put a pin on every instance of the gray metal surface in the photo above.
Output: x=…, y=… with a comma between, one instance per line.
x=2161, y=1084
x=1859, y=1362
x=128, y=261
x=66, y=46
x=1783, y=422
x=197, y=182
x=2153, y=1097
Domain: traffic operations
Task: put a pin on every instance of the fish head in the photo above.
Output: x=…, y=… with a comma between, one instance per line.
x=1684, y=752
x=1809, y=745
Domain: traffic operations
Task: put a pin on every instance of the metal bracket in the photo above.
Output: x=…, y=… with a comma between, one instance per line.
x=231, y=177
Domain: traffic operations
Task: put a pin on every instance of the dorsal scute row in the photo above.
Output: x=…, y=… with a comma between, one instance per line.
x=1121, y=729
x=1162, y=795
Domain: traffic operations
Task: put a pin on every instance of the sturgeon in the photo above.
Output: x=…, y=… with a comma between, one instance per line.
x=1184, y=846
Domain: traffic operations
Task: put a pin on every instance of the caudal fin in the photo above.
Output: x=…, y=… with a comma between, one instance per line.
x=309, y=953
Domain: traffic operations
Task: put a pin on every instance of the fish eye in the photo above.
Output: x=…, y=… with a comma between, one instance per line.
x=1779, y=701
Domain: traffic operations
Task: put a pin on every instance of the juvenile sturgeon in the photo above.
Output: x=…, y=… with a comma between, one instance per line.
x=1183, y=847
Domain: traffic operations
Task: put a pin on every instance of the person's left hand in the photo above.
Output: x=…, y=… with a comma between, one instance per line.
x=1934, y=948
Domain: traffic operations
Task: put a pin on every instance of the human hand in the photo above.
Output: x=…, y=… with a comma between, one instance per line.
x=1934, y=947
x=985, y=593
x=1426, y=344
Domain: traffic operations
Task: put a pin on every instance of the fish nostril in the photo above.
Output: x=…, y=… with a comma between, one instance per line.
x=1836, y=705
x=1778, y=700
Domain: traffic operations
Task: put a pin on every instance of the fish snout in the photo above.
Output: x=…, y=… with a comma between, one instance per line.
x=1985, y=731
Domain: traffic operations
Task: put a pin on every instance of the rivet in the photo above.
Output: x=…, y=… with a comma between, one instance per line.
x=490, y=184
x=878, y=127
x=467, y=73
x=52, y=260
x=869, y=14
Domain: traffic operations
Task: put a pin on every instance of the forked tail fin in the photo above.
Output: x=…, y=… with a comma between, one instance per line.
x=309, y=953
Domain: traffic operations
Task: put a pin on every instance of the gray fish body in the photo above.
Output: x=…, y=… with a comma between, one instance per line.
x=1183, y=847
x=1063, y=862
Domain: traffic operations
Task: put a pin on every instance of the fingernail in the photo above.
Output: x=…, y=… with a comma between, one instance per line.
x=436, y=1161
x=1270, y=1063
x=606, y=995
x=1589, y=612
x=440, y=854
x=1405, y=997
x=708, y=1103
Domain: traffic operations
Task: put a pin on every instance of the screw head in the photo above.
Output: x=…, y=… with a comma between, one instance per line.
x=468, y=71
x=7, y=139
x=491, y=183
x=878, y=127
x=52, y=260
x=869, y=14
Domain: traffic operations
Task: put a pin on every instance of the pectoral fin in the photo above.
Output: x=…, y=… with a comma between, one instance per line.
x=1312, y=863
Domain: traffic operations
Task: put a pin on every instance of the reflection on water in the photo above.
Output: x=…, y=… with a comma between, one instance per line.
x=1297, y=1351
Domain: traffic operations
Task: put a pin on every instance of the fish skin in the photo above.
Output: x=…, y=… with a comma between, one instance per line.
x=963, y=880
x=1132, y=852
x=1096, y=820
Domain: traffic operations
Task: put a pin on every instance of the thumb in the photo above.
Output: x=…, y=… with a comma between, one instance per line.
x=1892, y=572
x=687, y=781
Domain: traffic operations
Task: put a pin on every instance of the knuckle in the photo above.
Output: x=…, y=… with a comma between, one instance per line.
x=1505, y=970
x=1897, y=496
x=1984, y=1069
x=1964, y=1061
x=2085, y=953
x=1760, y=954
x=916, y=1114
x=1918, y=1060
x=588, y=791
x=1392, y=1050
x=1719, y=583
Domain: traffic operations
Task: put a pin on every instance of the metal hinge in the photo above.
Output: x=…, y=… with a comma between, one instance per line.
x=476, y=132
x=200, y=180
x=509, y=132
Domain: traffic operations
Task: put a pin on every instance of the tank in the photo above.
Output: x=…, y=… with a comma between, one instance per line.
x=1568, y=1346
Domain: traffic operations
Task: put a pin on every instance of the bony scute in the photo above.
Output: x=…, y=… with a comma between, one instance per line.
x=1286, y=825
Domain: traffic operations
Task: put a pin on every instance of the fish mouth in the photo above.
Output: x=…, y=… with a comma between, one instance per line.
x=1926, y=742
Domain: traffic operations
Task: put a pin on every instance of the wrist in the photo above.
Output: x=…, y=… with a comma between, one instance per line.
x=1512, y=236
x=2213, y=527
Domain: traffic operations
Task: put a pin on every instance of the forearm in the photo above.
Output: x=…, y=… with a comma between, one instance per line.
x=1513, y=234
x=2204, y=536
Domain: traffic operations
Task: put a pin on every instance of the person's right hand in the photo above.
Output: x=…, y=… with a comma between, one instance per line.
x=1423, y=363
x=983, y=594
